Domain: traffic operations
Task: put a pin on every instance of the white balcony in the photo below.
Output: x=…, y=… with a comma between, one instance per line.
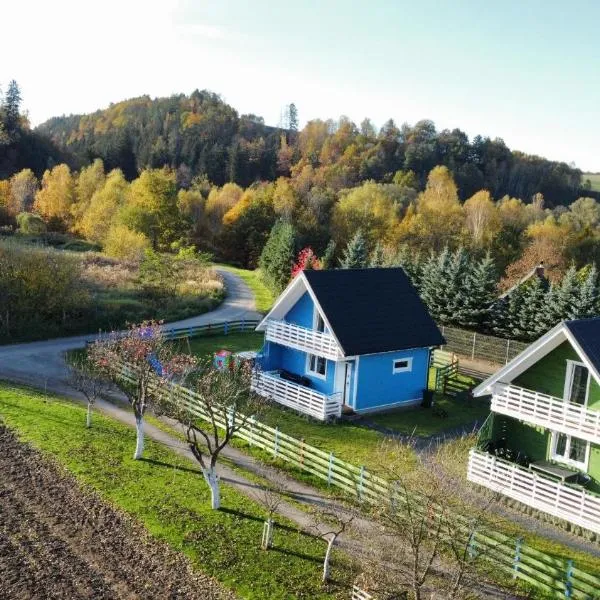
x=576, y=506
x=302, y=338
x=547, y=411
x=299, y=397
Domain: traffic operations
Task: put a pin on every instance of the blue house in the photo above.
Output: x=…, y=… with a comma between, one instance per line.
x=354, y=338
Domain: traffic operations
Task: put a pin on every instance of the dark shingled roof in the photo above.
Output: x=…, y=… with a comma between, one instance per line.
x=373, y=310
x=587, y=334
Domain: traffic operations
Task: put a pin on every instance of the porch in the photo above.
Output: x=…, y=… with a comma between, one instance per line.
x=299, y=397
x=302, y=338
x=542, y=493
x=546, y=411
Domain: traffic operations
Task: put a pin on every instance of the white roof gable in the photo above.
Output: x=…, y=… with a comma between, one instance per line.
x=288, y=298
x=534, y=353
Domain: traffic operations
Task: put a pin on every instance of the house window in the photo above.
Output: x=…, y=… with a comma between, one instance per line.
x=319, y=324
x=401, y=365
x=317, y=366
x=569, y=449
x=577, y=383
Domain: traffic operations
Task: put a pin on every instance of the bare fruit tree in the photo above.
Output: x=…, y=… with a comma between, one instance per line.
x=271, y=497
x=330, y=524
x=227, y=403
x=88, y=381
x=141, y=362
x=427, y=536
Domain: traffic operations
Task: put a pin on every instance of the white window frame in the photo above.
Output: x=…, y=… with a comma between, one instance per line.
x=582, y=466
x=406, y=369
x=316, y=373
x=569, y=381
x=316, y=317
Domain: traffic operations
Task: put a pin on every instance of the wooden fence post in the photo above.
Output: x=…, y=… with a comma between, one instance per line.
x=226, y=328
x=361, y=482
x=472, y=545
x=507, y=351
x=569, y=580
x=302, y=451
x=330, y=468
x=473, y=350
x=276, y=442
x=251, y=421
x=517, y=558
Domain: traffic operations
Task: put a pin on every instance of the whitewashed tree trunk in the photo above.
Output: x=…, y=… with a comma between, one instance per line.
x=212, y=479
x=267, y=540
x=327, y=560
x=88, y=417
x=139, y=446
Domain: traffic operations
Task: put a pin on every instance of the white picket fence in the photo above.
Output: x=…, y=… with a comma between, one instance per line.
x=358, y=594
x=545, y=572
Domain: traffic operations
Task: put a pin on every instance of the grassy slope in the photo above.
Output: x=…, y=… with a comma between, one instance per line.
x=262, y=294
x=168, y=495
x=595, y=180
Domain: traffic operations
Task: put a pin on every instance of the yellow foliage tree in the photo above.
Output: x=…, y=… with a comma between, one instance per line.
x=90, y=180
x=23, y=187
x=284, y=198
x=219, y=201
x=55, y=199
x=103, y=207
x=236, y=211
x=481, y=219
x=439, y=217
x=367, y=208
x=126, y=244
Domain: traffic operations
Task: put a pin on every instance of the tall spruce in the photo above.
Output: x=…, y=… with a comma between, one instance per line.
x=531, y=323
x=377, y=256
x=433, y=285
x=411, y=263
x=585, y=303
x=327, y=260
x=452, y=286
x=278, y=255
x=355, y=254
x=480, y=286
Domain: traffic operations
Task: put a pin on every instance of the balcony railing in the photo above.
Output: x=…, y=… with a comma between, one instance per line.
x=547, y=411
x=576, y=506
x=296, y=396
x=302, y=338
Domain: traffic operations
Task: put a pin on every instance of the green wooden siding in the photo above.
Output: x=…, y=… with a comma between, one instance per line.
x=548, y=377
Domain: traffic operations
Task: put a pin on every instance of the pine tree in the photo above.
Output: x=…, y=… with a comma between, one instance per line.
x=531, y=317
x=377, y=256
x=433, y=285
x=562, y=300
x=411, y=263
x=277, y=256
x=480, y=293
x=355, y=255
x=328, y=256
x=11, y=106
x=453, y=289
x=586, y=300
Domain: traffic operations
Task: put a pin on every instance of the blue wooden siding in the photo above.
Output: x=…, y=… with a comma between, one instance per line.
x=281, y=357
x=302, y=312
x=378, y=386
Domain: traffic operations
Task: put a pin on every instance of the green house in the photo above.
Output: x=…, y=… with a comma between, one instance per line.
x=541, y=443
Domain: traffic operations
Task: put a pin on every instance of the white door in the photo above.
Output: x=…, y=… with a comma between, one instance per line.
x=347, y=395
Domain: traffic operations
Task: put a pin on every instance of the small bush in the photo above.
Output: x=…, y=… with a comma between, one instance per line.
x=122, y=242
x=30, y=223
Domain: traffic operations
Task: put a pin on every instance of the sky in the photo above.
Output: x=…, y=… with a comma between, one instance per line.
x=523, y=70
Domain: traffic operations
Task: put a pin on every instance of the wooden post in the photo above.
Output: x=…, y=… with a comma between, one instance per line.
x=473, y=350
x=276, y=443
x=569, y=580
x=330, y=468
x=517, y=558
x=361, y=482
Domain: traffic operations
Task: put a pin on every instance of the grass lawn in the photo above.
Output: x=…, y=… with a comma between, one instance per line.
x=262, y=294
x=167, y=494
x=594, y=179
x=234, y=342
x=425, y=422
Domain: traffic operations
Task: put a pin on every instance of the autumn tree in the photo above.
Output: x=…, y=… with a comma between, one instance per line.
x=439, y=219
x=86, y=379
x=481, y=219
x=23, y=187
x=152, y=207
x=103, y=206
x=139, y=362
x=56, y=197
x=90, y=180
x=219, y=201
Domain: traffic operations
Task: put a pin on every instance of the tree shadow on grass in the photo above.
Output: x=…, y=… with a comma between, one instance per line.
x=301, y=555
x=160, y=463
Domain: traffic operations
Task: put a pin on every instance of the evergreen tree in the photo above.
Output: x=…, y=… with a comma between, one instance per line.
x=355, y=255
x=433, y=288
x=531, y=322
x=585, y=303
x=411, y=263
x=328, y=256
x=480, y=292
x=377, y=256
x=11, y=106
x=277, y=256
x=453, y=293
x=561, y=302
